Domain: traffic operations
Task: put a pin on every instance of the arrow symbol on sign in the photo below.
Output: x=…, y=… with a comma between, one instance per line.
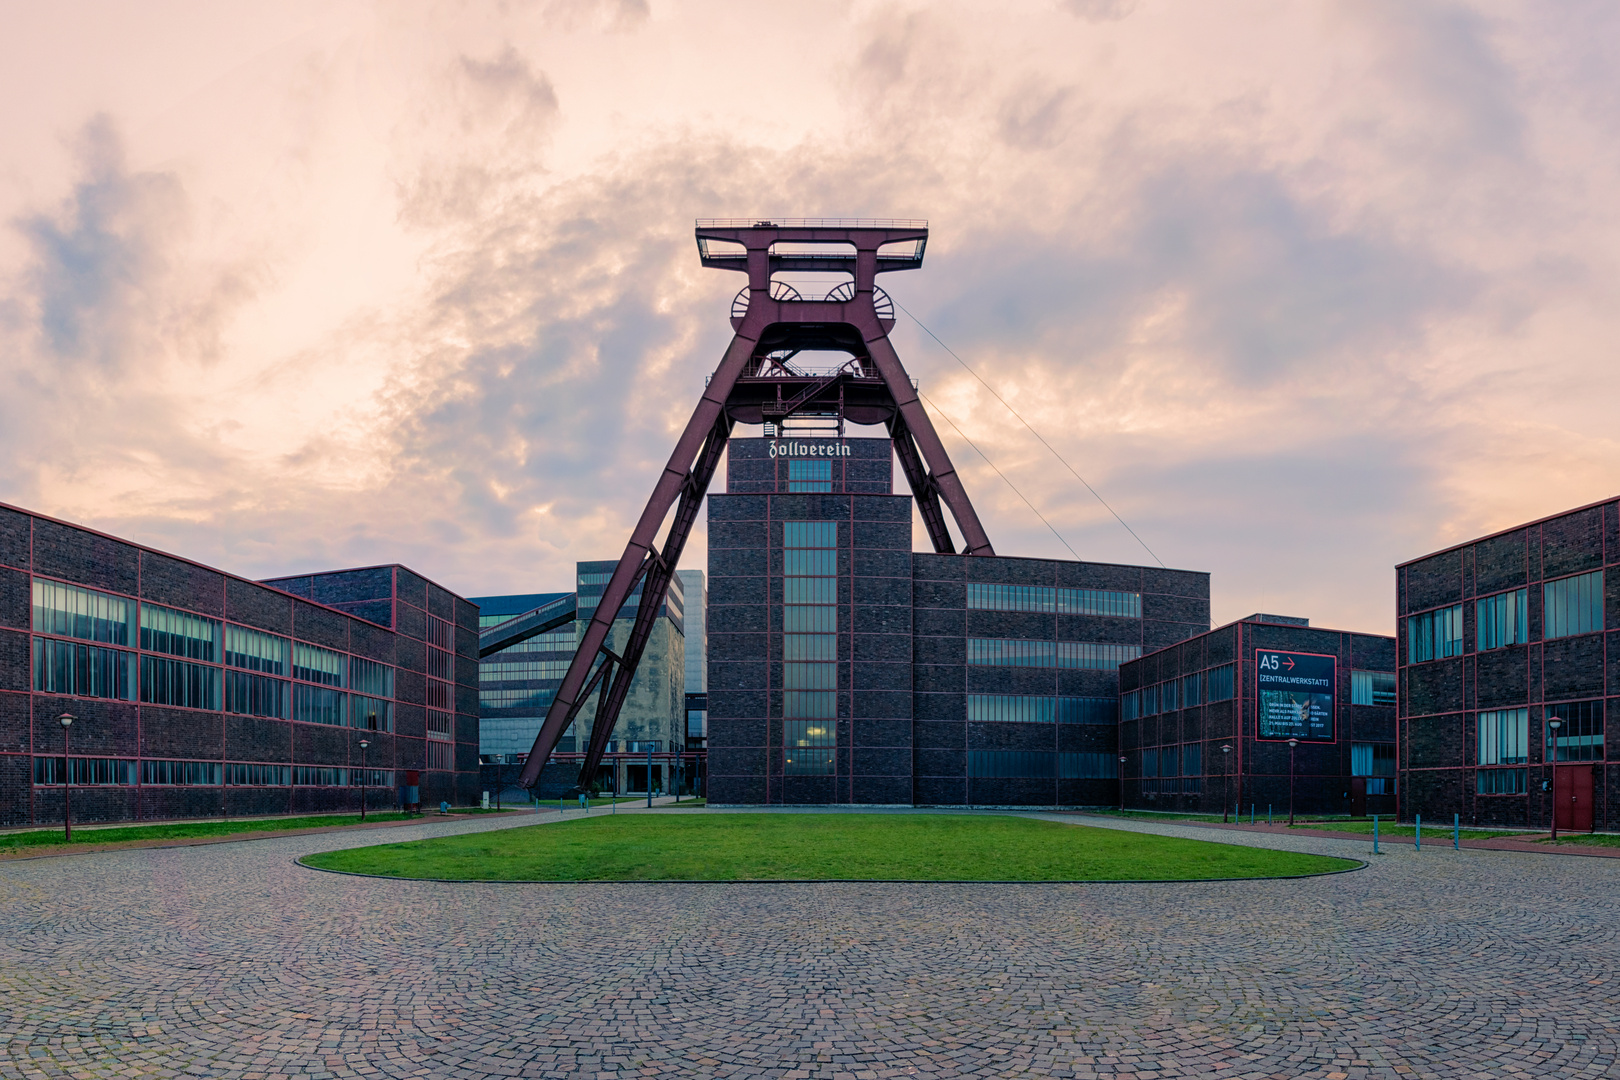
x=1289, y=661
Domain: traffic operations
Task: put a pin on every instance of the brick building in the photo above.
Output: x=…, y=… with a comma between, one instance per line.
x=846, y=668
x=197, y=693
x=1500, y=637
x=1252, y=685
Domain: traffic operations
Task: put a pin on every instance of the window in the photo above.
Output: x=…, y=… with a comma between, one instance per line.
x=1011, y=652
x=1086, y=766
x=984, y=597
x=1504, y=737
x=809, y=475
x=1170, y=695
x=1008, y=709
x=1434, y=634
x=440, y=664
x=1220, y=683
x=240, y=775
x=1372, y=759
x=255, y=695
x=179, y=633
x=1496, y=782
x=1150, y=762
x=371, y=714
x=255, y=651
x=1097, y=657
x=1372, y=688
x=1169, y=761
x=69, y=611
x=65, y=667
x=175, y=682
x=314, y=664
x=1150, y=700
x=1026, y=764
x=370, y=677
x=440, y=695
x=317, y=776
x=1130, y=705
x=810, y=643
x=507, y=670
x=317, y=705
x=441, y=756
x=1572, y=605
x=1580, y=736
x=516, y=699
x=1192, y=690
x=1192, y=761
x=441, y=633
x=182, y=773
x=1087, y=710
x=86, y=772
x=371, y=777
x=440, y=724
x=1126, y=605
x=1501, y=620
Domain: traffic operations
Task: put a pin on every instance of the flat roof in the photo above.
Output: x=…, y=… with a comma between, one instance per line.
x=1503, y=532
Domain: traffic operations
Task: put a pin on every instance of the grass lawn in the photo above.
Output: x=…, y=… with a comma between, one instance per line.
x=1389, y=828
x=765, y=847
x=1154, y=815
x=43, y=839
x=1579, y=839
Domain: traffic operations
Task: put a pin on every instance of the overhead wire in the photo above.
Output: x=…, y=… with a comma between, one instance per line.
x=941, y=414
x=1033, y=432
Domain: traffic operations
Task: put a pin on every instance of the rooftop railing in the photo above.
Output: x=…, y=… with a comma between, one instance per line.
x=812, y=223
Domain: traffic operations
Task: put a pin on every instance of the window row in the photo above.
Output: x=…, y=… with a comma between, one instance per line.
x=1572, y=605
x=516, y=699
x=1504, y=734
x=75, y=612
x=1372, y=759
x=1045, y=598
x=1040, y=765
x=67, y=667
x=1372, y=688
x=1186, y=760
x=809, y=476
x=121, y=772
x=1019, y=709
x=1017, y=652
x=808, y=747
x=506, y=670
x=1183, y=693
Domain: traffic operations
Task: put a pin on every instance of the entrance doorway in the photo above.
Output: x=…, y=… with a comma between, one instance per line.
x=1358, y=796
x=1574, y=792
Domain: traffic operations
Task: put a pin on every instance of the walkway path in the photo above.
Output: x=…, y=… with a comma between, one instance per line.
x=231, y=961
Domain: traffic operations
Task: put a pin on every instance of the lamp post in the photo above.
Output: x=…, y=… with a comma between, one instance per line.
x=1555, y=725
x=1226, y=781
x=66, y=720
x=365, y=777
x=1122, y=781
x=1292, y=744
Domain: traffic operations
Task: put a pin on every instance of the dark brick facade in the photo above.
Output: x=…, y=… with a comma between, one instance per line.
x=904, y=623
x=1441, y=698
x=378, y=614
x=1255, y=772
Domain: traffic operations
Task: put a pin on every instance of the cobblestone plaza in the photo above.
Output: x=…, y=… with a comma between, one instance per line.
x=231, y=961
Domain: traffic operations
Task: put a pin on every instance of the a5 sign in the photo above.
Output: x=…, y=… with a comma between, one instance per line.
x=1295, y=694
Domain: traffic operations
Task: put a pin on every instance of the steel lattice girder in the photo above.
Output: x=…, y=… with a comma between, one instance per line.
x=747, y=387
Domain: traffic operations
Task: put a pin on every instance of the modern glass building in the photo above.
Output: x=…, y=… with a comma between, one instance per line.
x=1505, y=675
x=518, y=684
x=197, y=693
x=1207, y=721
x=846, y=668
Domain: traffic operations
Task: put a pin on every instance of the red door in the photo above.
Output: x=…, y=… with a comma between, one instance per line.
x=1574, y=808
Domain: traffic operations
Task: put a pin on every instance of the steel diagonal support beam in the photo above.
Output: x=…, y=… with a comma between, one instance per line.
x=702, y=441
x=923, y=488
x=942, y=473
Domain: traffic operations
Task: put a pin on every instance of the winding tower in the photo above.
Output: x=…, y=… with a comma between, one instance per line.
x=758, y=382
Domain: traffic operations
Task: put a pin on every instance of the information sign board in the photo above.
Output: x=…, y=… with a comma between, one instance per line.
x=1295, y=695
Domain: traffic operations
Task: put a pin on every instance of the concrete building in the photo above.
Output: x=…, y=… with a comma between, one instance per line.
x=196, y=692
x=1500, y=638
x=845, y=668
x=696, y=592
x=1251, y=686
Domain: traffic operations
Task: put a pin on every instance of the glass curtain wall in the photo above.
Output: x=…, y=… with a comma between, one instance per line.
x=809, y=647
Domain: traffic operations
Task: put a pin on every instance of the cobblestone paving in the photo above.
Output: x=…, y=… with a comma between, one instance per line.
x=230, y=961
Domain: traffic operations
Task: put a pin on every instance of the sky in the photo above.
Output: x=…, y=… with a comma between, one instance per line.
x=1303, y=290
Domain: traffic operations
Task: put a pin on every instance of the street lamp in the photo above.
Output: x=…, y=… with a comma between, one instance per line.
x=1555, y=725
x=1226, y=781
x=1292, y=744
x=66, y=720
x=1122, y=781
x=365, y=777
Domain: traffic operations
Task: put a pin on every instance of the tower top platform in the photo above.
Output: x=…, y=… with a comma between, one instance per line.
x=812, y=245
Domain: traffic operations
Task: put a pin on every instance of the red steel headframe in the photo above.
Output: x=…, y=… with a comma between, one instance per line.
x=748, y=387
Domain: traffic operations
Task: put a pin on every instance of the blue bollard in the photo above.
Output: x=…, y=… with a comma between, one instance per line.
x=1456, y=832
x=1251, y=813
x=1268, y=813
x=1417, y=834
x=1375, y=834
